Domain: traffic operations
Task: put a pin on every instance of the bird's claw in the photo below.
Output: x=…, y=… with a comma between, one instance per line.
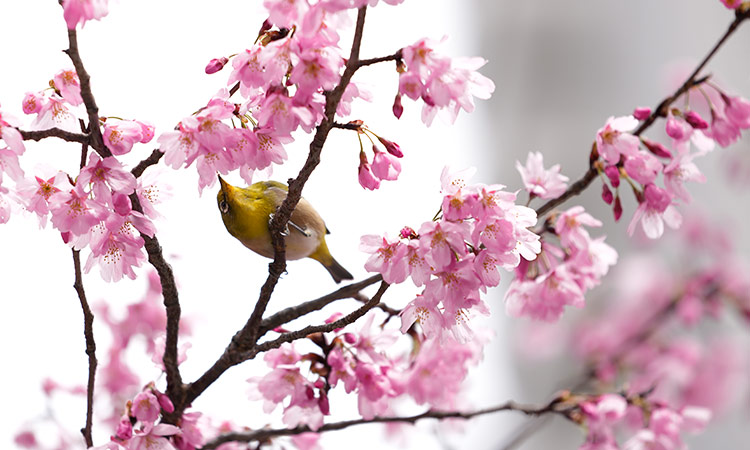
x=284, y=232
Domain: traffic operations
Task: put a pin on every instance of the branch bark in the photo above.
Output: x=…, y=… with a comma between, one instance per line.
x=88, y=332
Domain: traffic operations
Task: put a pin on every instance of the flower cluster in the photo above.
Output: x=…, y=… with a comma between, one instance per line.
x=443, y=83
x=639, y=160
x=456, y=257
x=362, y=361
x=385, y=164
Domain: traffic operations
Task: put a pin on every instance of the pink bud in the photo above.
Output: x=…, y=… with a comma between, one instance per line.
x=642, y=113
x=65, y=235
x=323, y=404
x=392, y=147
x=165, y=402
x=216, y=65
x=121, y=204
x=657, y=148
x=350, y=338
x=613, y=173
x=334, y=317
x=408, y=233
x=677, y=128
x=398, y=108
x=607, y=195
x=695, y=120
x=617, y=209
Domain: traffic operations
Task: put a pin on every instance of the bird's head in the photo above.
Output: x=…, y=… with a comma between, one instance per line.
x=226, y=196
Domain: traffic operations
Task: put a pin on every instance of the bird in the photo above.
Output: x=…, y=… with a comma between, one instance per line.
x=247, y=213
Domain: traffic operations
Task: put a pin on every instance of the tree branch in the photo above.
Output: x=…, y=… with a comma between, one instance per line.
x=96, y=141
x=553, y=407
x=394, y=57
x=660, y=111
x=152, y=159
x=294, y=312
x=38, y=135
x=88, y=332
x=340, y=323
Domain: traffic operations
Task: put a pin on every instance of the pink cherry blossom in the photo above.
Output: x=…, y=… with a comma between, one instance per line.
x=55, y=114
x=539, y=181
x=120, y=135
x=737, y=111
x=35, y=195
x=153, y=438
x=545, y=297
x=10, y=134
x=32, y=103
x=366, y=178
x=441, y=242
x=66, y=81
x=569, y=227
x=655, y=210
x=614, y=139
x=73, y=212
x=106, y=176
x=116, y=247
x=385, y=166
x=146, y=407
x=643, y=167
x=723, y=131
x=81, y=11
x=388, y=257
x=679, y=170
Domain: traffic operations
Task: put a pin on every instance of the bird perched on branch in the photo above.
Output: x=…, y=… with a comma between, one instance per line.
x=247, y=213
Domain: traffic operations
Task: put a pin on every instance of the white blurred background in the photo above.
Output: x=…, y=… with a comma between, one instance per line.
x=561, y=68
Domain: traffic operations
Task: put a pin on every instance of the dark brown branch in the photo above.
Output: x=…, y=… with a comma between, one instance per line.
x=96, y=141
x=38, y=135
x=235, y=354
x=294, y=312
x=152, y=159
x=394, y=57
x=88, y=332
x=660, y=111
x=340, y=323
x=554, y=407
x=175, y=388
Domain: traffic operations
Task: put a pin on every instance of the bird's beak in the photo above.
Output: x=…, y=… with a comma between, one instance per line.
x=225, y=187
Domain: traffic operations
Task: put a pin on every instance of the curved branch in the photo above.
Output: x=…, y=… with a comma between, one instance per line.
x=38, y=135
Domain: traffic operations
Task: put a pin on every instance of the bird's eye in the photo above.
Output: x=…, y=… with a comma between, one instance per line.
x=223, y=206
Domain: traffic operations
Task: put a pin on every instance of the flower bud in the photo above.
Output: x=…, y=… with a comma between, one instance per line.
x=398, y=108
x=641, y=113
x=656, y=148
x=613, y=173
x=392, y=147
x=617, y=209
x=216, y=65
x=607, y=195
x=695, y=120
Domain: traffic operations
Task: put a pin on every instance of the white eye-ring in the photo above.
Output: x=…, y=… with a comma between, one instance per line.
x=223, y=206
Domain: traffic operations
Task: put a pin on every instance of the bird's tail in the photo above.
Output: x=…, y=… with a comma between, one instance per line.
x=337, y=271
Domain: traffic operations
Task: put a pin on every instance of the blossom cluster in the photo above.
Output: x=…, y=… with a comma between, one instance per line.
x=284, y=79
x=639, y=160
x=363, y=361
x=456, y=257
x=657, y=425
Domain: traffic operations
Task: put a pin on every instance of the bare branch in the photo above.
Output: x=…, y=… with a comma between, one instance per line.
x=297, y=311
x=88, y=332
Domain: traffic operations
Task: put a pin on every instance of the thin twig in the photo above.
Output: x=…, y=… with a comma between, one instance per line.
x=88, y=332
x=554, y=407
x=152, y=159
x=394, y=57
